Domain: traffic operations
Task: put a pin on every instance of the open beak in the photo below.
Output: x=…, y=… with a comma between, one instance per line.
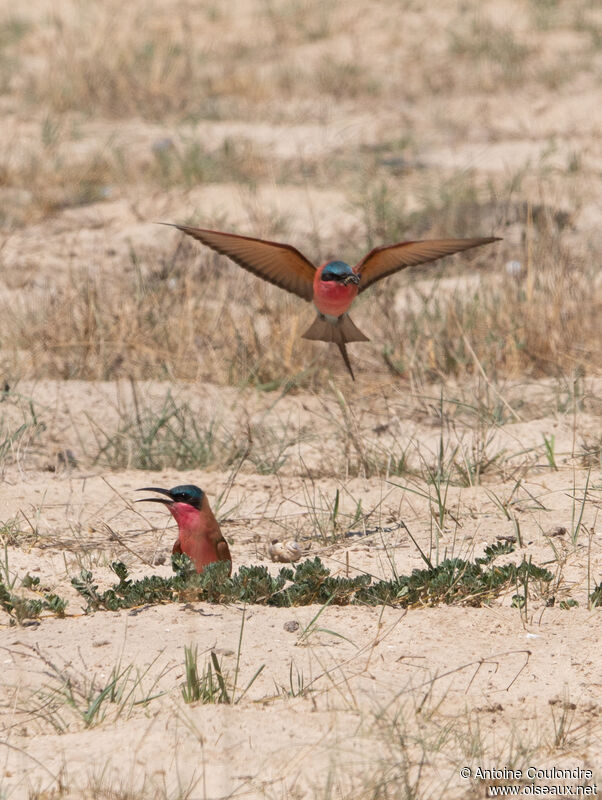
x=351, y=279
x=165, y=500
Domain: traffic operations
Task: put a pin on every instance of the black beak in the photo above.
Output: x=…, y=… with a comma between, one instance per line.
x=351, y=279
x=167, y=500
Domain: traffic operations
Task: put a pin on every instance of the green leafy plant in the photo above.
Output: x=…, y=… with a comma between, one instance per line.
x=20, y=607
x=454, y=580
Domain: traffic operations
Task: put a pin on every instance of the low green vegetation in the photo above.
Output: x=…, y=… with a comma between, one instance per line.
x=21, y=608
x=452, y=581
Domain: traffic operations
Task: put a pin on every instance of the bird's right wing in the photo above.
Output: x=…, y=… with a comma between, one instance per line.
x=281, y=264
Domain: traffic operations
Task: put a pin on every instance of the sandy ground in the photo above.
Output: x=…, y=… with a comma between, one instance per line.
x=443, y=674
x=349, y=702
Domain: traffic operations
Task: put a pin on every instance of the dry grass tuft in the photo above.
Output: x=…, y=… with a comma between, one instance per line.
x=179, y=323
x=543, y=321
x=113, y=61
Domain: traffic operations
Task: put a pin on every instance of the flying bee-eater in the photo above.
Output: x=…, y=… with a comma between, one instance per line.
x=334, y=285
x=199, y=534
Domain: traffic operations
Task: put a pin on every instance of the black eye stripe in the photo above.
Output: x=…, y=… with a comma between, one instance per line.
x=182, y=497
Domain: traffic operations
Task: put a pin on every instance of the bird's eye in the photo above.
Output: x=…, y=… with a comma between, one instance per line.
x=183, y=497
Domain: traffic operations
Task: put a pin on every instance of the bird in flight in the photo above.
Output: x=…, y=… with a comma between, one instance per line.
x=334, y=285
x=199, y=534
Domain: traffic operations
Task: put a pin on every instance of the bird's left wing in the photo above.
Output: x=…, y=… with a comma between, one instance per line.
x=383, y=261
x=281, y=264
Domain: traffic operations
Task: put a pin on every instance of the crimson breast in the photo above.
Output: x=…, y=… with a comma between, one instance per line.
x=331, y=297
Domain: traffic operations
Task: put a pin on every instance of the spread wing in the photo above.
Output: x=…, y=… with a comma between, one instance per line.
x=383, y=261
x=280, y=264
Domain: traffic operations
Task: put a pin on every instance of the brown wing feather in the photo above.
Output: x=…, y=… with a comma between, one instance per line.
x=281, y=264
x=383, y=261
x=223, y=551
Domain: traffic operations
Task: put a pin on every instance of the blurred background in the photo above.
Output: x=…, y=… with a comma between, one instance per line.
x=332, y=125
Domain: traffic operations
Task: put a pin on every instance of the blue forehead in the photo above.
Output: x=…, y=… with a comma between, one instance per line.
x=336, y=268
x=189, y=490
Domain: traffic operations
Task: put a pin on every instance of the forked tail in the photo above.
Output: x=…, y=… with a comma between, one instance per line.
x=339, y=330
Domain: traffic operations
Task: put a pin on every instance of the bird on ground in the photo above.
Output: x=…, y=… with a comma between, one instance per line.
x=199, y=534
x=334, y=285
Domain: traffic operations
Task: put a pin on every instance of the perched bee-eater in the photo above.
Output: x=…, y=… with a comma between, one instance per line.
x=334, y=286
x=199, y=535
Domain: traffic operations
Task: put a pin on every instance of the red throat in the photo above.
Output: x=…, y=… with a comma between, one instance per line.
x=195, y=528
x=188, y=517
x=331, y=297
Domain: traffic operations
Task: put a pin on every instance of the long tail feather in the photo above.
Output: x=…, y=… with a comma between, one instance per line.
x=339, y=332
x=343, y=349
